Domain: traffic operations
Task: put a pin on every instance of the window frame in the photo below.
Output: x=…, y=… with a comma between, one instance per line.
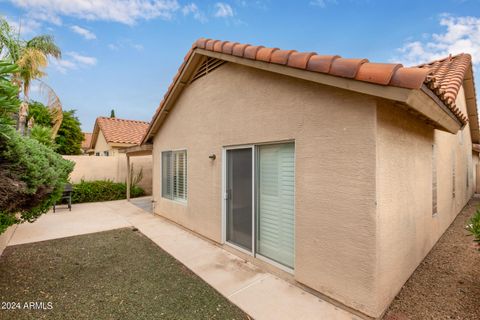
x=172, y=193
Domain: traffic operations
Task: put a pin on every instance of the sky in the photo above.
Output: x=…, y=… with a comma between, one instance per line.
x=123, y=54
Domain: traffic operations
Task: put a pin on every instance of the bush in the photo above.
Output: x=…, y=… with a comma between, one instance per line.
x=473, y=226
x=102, y=190
x=43, y=135
x=32, y=177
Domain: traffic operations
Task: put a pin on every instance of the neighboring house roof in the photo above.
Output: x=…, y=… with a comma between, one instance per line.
x=441, y=79
x=119, y=130
x=87, y=139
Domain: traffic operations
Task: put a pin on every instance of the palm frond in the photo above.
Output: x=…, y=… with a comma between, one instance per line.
x=31, y=64
x=54, y=105
x=45, y=44
x=10, y=44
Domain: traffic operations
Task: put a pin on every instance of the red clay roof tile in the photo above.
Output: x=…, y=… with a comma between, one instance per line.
x=380, y=73
x=239, y=49
x=217, y=47
x=201, y=43
x=281, y=56
x=264, y=54
x=444, y=77
x=121, y=130
x=299, y=59
x=210, y=44
x=228, y=47
x=251, y=52
x=322, y=64
x=346, y=68
x=87, y=138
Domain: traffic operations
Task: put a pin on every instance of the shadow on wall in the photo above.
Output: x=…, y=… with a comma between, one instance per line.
x=112, y=168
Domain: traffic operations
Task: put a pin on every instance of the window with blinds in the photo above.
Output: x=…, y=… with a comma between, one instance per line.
x=174, y=175
x=275, y=202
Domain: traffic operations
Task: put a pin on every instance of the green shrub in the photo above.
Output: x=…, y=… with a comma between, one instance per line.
x=102, y=190
x=43, y=135
x=473, y=225
x=32, y=177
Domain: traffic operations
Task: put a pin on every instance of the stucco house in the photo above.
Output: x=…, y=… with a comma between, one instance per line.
x=337, y=174
x=112, y=134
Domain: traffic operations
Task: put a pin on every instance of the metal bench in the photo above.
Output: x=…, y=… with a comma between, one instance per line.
x=66, y=195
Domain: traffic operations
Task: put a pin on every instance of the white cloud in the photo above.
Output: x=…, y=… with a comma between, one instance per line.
x=461, y=34
x=113, y=47
x=123, y=11
x=63, y=65
x=138, y=47
x=87, y=34
x=193, y=9
x=322, y=3
x=223, y=10
x=85, y=60
x=125, y=43
x=25, y=26
x=74, y=62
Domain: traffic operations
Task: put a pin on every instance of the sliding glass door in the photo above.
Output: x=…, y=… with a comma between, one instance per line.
x=239, y=198
x=275, y=220
x=259, y=200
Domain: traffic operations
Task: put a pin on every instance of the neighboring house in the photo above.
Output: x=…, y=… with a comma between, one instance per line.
x=340, y=174
x=87, y=139
x=111, y=134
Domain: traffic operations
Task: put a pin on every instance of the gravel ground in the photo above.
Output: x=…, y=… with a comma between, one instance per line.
x=117, y=274
x=446, y=285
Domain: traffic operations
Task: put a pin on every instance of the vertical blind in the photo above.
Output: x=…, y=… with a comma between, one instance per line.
x=174, y=175
x=275, y=196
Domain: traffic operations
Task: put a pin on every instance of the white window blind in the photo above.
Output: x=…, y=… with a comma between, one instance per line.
x=275, y=192
x=174, y=175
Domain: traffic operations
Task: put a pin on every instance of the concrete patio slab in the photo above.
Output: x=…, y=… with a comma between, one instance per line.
x=84, y=218
x=273, y=298
x=259, y=293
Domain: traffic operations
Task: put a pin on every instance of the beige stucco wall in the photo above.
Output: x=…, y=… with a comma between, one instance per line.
x=334, y=133
x=102, y=145
x=406, y=229
x=111, y=168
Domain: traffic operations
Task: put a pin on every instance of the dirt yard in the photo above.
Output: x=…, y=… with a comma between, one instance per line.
x=446, y=285
x=117, y=274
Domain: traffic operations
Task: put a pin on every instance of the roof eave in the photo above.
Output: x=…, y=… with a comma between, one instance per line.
x=471, y=101
x=96, y=129
x=419, y=100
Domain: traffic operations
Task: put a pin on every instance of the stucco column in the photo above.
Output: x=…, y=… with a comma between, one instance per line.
x=128, y=177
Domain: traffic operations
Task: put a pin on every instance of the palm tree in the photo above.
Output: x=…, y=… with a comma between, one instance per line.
x=31, y=57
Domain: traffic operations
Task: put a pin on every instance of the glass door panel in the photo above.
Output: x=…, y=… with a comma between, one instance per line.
x=275, y=219
x=239, y=198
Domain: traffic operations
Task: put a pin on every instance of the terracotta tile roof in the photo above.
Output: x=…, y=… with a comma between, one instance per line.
x=444, y=77
x=87, y=138
x=122, y=131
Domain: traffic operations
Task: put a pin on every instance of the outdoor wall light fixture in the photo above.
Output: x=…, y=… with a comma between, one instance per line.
x=212, y=156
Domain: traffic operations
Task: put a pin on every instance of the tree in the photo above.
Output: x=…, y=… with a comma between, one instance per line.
x=32, y=176
x=9, y=102
x=31, y=57
x=40, y=113
x=69, y=138
x=112, y=113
